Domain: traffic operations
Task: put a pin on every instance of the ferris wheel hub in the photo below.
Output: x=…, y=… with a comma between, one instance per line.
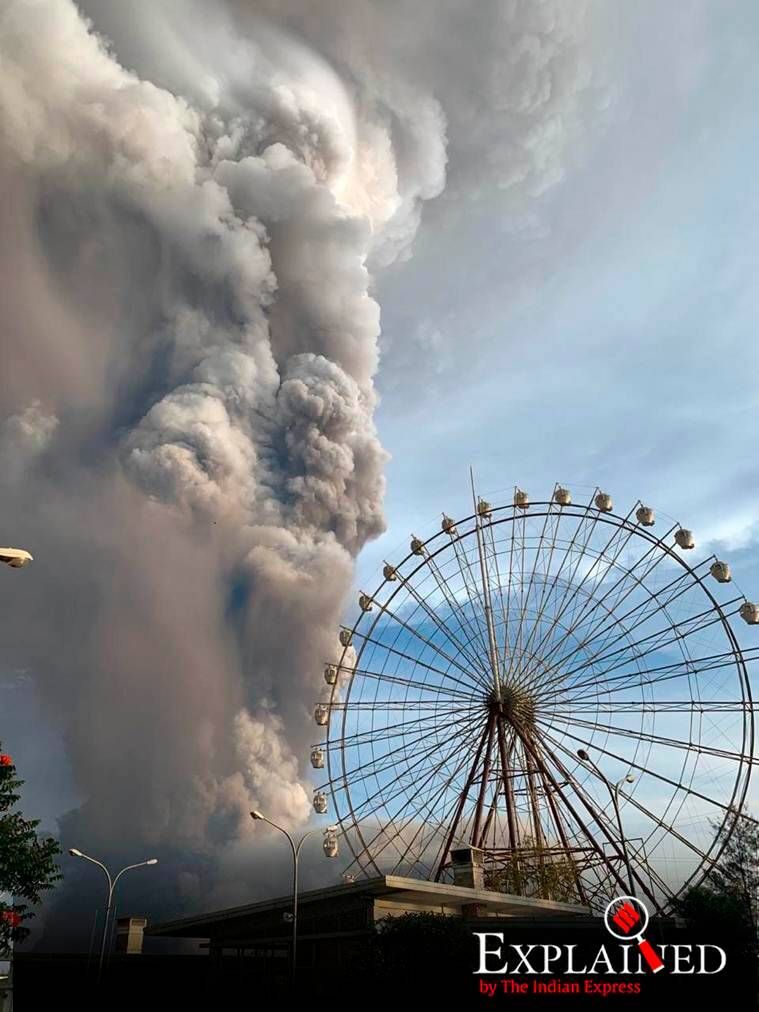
x=516, y=706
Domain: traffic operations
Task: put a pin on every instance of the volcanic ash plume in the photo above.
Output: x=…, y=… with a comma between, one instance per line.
x=192, y=202
x=190, y=347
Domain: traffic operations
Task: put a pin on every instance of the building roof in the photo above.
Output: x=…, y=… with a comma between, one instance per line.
x=409, y=890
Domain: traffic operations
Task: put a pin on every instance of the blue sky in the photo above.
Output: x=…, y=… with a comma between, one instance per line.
x=616, y=345
x=624, y=351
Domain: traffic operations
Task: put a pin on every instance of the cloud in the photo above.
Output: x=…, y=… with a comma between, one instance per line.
x=192, y=304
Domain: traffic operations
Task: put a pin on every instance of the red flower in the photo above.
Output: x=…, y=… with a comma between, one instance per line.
x=12, y=918
x=5, y=760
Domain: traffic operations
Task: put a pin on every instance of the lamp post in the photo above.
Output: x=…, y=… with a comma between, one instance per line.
x=111, y=889
x=296, y=849
x=614, y=792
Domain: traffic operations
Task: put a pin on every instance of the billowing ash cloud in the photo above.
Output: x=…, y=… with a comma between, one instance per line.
x=195, y=200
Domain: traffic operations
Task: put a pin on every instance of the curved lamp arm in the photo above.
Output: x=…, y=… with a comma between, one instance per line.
x=92, y=860
x=140, y=864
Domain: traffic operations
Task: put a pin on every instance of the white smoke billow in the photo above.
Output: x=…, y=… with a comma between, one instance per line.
x=195, y=202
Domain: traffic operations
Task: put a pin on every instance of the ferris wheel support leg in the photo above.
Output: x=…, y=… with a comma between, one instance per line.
x=537, y=828
x=484, y=784
x=559, y=823
x=572, y=810
x=461, y=802
x=596, y=818
x=509, y=800
x=488, y=821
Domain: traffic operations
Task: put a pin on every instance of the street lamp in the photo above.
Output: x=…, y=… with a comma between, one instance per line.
x=330, y=849
x=614, y=791
x=16, y=558
x=111, y=889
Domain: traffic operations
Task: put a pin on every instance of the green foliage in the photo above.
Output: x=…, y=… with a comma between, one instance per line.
x=27, y=863
x=534, y=874
x=403, y=944
x=737, y=874
x=726, y=900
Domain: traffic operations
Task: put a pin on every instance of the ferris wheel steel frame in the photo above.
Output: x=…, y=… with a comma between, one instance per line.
x=509, y=747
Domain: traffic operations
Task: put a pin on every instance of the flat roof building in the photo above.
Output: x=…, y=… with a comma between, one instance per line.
x=333, y=922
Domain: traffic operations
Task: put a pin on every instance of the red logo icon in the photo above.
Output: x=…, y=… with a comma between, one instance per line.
x=626, y=917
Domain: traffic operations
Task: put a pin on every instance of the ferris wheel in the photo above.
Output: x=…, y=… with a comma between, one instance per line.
x=555, y=686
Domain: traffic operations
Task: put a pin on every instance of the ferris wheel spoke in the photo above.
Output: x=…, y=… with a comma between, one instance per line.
x=580, y=551
x=655, y=607
x=631, y=578
x=416, y=661
x=399, y=792
x=411, y=683
x=662, y=673
x=658, y=706
x=389, y=731
x=455, y=642
x=393, y=757
x=643, y=612
x=474, y=633
x=655, y=739
x=395, y=705
x=489, y=536
x=656, y=819
x=427, y=803
x=499, y=582
x=488, y=605
x=421, y=728
x=414, y=630
x=654, y=643
x=616, y=533
x=546, y=592
x=396, y=755
x=677, y=632
x=548, y=678
x=538, y=556
x=468, y=580
x=507, y=651
x=422, y=799
x=614, y=594
x=520, y=521
x=608, y=603
x=633, y=765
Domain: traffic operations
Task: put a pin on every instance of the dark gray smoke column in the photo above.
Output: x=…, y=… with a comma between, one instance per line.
x=188, y=446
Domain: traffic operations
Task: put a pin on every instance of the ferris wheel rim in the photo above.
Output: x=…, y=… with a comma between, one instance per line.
x=543, y=509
